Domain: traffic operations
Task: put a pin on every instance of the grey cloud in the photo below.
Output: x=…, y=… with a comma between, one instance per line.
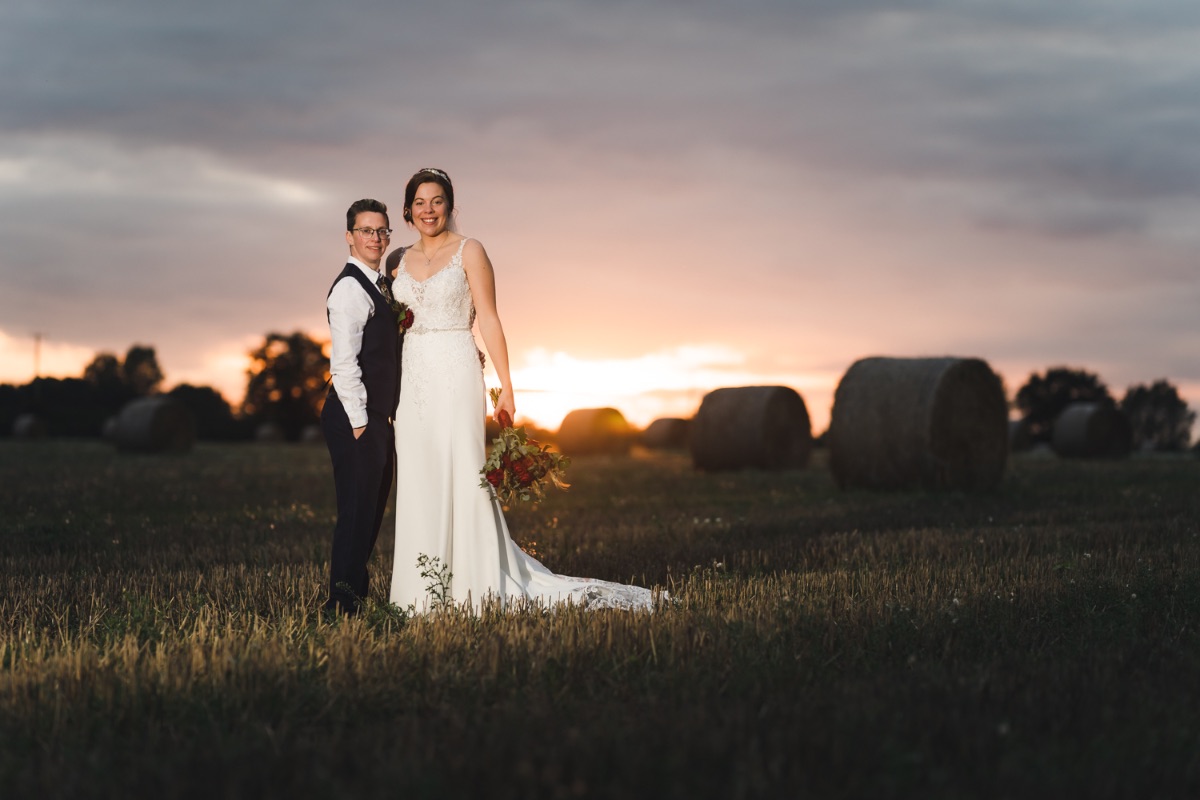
x=1021, y=122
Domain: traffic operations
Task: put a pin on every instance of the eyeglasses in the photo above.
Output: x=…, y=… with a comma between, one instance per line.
x=371, y=233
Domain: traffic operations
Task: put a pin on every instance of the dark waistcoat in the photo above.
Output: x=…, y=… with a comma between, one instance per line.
x=379, y=355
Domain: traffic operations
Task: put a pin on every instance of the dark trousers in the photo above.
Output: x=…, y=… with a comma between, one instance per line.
x=363, y=469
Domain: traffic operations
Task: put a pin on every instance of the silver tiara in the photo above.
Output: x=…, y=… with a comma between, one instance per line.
x=437, y=172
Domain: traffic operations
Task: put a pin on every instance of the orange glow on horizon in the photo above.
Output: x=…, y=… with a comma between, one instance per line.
x=549, y=384
x=54, y=359
x=668, y=383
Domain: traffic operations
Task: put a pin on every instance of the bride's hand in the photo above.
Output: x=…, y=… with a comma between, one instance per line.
x=505, y=407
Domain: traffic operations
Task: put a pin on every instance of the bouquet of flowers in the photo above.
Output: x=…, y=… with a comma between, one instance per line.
x=404, y=314
x=518, y=467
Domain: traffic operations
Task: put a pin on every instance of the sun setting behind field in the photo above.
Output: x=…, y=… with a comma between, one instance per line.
x=671, y=382
x=668, y=382
x=548, y=383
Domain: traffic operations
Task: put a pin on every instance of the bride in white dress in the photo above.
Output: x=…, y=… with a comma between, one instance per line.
x=441, y=510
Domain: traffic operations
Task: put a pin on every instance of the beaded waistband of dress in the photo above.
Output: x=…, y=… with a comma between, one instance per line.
x=415, y=329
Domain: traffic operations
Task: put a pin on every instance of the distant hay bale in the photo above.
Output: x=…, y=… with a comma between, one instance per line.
x=159, y=424
x=751, y=426
x=1092, y=430
x=269, y=432
x=29, y=426
x=937, y=423
x=311, y=434
x=589, y=431
x=666, y=433
x=1019, y=440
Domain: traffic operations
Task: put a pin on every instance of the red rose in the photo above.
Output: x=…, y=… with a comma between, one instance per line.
x=407, y=322
x=504, y=418
x=495, y=477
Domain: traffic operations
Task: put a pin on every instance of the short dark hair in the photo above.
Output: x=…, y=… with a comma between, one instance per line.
x=360, y=206
x=428, y=175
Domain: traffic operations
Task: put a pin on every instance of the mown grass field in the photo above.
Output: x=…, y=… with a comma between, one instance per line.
x=160, y=636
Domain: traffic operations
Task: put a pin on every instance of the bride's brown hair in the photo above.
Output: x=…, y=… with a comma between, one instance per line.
x=428, y=175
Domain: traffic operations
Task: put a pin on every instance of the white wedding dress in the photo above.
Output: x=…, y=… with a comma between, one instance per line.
x=441, y=510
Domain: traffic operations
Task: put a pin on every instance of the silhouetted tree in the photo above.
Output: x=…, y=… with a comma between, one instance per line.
x=11, y=407
x=1160, y=418
x=1043, y=397
x=287, y=382
x=68, y=406
x=79, y=406
x=214, y=418
x=140, y=370
x=104, y=372
x=117, y=382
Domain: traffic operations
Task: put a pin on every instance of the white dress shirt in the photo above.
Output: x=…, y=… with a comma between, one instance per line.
x=350, y=306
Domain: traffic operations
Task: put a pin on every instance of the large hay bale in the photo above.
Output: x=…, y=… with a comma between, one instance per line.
x=269, y=432
x=154, y=425
x=29, y=426
x=588, y=431
x=751, y=426
x=937, y=423
x=666, y=433
x=1092, y=430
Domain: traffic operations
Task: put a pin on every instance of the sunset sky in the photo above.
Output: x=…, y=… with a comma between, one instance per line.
x=677, y=195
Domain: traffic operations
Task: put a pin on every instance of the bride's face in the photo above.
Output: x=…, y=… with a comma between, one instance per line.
x=429, y=213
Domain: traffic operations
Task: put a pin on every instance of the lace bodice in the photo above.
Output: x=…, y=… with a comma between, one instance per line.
x=440, y=342
x=442, y=510
x=442, y=301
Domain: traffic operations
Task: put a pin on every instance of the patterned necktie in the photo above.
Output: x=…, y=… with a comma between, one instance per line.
x=384, y=288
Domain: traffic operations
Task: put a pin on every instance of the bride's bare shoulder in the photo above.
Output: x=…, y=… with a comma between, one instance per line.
x=473, y=250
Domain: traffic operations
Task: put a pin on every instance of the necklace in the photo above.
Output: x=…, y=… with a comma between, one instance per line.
x=429, y=258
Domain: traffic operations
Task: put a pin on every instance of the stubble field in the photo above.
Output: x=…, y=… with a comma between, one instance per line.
x=160, y=636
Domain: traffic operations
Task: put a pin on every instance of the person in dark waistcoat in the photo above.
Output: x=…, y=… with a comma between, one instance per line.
x=364, y=366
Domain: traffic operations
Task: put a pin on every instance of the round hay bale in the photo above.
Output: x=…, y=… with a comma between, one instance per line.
x=937, y=423
x=155, y=425
x=29, y=426
x=589, y=431
x=751, y=426
x=311, y=434
x=269, y=432
x=666, y=433
x=1019, y=440
x=1092, y=430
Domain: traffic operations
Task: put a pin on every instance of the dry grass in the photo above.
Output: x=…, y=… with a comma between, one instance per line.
x=159, y=634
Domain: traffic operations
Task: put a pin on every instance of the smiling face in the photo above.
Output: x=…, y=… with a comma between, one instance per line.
x=368, y=248
x=430, y=209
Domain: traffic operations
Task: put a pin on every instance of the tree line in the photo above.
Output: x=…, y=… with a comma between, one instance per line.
x=1158, y=416
x=285, y=387
x=289, y=373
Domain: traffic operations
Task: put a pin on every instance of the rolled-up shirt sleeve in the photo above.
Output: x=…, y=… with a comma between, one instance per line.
x=349, y=309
